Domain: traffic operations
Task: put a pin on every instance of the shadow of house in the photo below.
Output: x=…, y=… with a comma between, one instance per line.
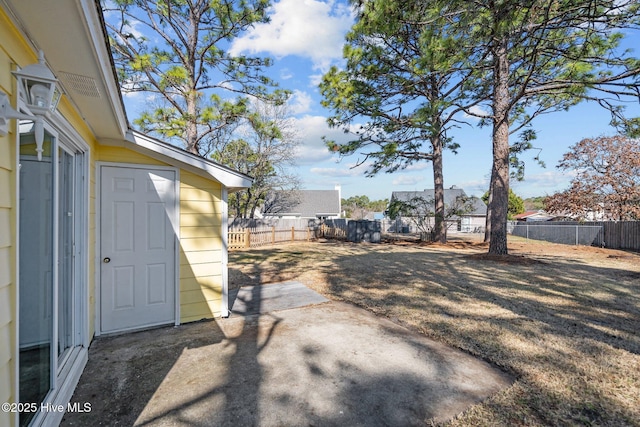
x=124, y=372
x=192, y=374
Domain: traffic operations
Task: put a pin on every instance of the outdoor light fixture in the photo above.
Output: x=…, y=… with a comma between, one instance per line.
x=37, y=87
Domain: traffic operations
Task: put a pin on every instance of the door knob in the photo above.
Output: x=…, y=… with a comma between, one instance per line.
x=106, y=260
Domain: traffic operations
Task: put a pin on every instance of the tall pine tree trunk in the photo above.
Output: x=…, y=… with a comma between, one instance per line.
x=440, y=234
x=487, y=229
x=191, y=125
x=499, y=196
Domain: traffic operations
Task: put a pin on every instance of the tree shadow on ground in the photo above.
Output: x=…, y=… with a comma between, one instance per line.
x=163, y=376
x=243, y=371
x=543, y=314
x=567, y=328
x=124, y=371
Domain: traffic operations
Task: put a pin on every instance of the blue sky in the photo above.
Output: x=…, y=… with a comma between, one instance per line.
x=305, y=37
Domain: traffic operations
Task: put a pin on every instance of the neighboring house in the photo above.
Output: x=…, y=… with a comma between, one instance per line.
x=309, y=204
x=374, y=216
x=534, y=216
x=472, y=210
x=109, y=230
x=600, y=214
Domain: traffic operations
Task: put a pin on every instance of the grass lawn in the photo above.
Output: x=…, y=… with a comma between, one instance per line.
x=564, y=320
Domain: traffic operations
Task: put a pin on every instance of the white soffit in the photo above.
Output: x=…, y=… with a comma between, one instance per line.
x=70, y=32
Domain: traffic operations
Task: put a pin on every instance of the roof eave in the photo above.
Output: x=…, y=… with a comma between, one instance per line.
x=71, y=34
x=144, y=144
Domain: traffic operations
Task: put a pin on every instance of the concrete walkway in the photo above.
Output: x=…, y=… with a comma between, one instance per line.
x=260, y=299
x=326, y=364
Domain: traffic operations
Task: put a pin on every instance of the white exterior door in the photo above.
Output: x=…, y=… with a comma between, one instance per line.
x=138, y=219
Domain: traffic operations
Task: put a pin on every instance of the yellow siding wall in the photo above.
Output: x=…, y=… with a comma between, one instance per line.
x=200, y=239
x=10, y=47
x=200, y=247
x=7, y=273
x=7, y=264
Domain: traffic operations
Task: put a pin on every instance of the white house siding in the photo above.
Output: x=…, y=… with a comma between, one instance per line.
x=472, y=223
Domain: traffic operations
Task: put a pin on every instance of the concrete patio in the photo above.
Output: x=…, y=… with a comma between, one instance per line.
x=283, y=358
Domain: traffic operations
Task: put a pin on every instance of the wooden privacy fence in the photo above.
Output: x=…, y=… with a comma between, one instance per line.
x=620, y=234
x=254, y=237
x=613, y=234
x=331, y=232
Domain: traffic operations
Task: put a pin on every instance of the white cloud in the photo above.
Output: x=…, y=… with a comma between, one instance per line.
x=285, y=74
x=315, y=79
x=474, y=188
x=476, y=111
x=309, y=28
x=310, y=154
x=300, y=102
x=551, y=178
x=338, y=172
x=311, y=130
x=127, y=92
x=543, y=183
x=406, y=180
x=226, y=85
x=132, y=26
x=419, y=166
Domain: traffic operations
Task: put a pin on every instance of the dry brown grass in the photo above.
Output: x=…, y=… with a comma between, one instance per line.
x=564, y=320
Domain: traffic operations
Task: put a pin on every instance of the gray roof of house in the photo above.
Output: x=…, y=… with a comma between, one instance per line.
x=313, y=203
x=477, y=206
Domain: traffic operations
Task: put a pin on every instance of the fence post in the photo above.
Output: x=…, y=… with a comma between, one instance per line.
x=273, y=234
x=247, y=238
x=576, y=235
x=293, y=234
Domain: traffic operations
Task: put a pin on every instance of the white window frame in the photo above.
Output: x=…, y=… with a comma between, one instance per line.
x=64, y=378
